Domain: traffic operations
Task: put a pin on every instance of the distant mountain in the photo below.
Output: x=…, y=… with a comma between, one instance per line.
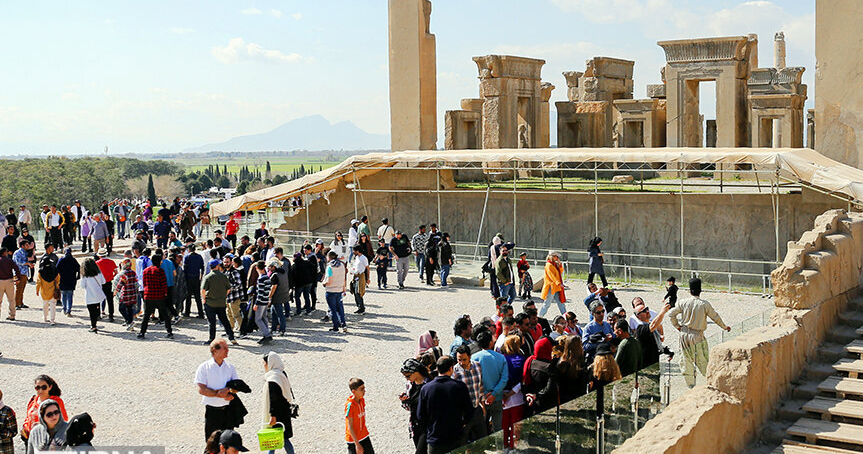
x=308, y=133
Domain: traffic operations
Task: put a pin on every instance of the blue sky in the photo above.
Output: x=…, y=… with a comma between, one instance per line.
x=165, y=75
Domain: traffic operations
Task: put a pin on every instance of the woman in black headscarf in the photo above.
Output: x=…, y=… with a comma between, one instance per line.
x=79, y=433
x=417, y=376
x=595, y=262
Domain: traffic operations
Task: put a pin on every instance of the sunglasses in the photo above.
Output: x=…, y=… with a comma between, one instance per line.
x=599, y=312
x=41, y=387
x=52, y=414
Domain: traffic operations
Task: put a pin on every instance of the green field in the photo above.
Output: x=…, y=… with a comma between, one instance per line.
x=279, y=164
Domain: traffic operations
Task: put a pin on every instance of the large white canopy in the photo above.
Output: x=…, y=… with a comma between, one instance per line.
x=802, y=165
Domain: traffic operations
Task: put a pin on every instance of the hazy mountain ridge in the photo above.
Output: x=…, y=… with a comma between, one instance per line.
x=308, y=133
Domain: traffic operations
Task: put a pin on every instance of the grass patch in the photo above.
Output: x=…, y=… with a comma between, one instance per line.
x=279, y=165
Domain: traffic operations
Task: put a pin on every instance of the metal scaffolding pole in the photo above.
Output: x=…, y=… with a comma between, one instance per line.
x=681, y=220
x=514, y=191
x=595, y=199
x=437, y=189
x=481, y=220
x=306, y=205
x=776, y=214
x=356, y=183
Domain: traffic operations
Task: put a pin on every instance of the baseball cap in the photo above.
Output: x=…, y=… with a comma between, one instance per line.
x=229, y=255
x=214, y=263
x=319, y=241
x=232, y=439
x=354, y=221
x=619, y=310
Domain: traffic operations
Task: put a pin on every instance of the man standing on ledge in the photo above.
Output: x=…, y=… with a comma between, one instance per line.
x=693, y=314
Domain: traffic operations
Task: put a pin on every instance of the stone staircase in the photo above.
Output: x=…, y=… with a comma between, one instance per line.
x=824, y=412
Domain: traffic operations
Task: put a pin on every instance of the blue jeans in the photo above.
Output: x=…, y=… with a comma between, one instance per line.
x=279, y=318
x=421, y=263
x=508, y=291
x=121, y=229
x=444, y=273
x=552, y=298
x=66, y=299
x=337, y=308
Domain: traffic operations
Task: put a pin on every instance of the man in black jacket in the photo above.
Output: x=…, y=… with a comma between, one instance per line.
x=446, y=258
x=445, y=409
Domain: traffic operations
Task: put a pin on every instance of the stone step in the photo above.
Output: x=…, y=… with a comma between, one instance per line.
x=831, y=352
x=814, y=430
x=844, y=334
x=793, y=447
x=842, y=386
x=791, y=410
x=805, y=391
x=829, y=407
x=774, y=432
x=853, y=367
x=820, y=371
x=851, y=318
x=855, y=347
x=859, y=331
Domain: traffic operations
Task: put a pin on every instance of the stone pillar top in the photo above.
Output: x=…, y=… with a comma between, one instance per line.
x=572, y=78
x=495, y=66
x=545, y=91
x=725, y=48
x=609, y=67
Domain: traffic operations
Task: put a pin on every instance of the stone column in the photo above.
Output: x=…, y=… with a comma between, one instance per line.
x=413, y=79
x=545, y=114
x=779, y=50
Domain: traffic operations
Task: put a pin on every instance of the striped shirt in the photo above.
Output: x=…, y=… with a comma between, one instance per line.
x=262, y=297
x=473, y=379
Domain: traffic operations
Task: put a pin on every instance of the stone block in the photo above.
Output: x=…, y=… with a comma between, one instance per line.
x=699, y=421
x=656, y=91
x=622, y=179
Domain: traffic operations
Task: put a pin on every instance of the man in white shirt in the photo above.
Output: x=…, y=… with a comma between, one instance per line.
x=53, y=223
x=24, y=218
x=359, y=265
x=386, y=231
x=211, y=378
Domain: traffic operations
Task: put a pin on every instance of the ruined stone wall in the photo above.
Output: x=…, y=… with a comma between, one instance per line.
x=748, y=376
x=637, y=223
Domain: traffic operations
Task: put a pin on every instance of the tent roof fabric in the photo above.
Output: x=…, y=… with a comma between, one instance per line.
x=796, y=164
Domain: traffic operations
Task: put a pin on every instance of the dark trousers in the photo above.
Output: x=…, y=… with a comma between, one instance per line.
x=216, y=418
x=304, y=291
x=56, y=237
x=233, y=239
x=193, y=290
x=445, y=447
x=109, y=298
x=366, y=443
x=126, y=310
x=169, y=303
x=314, y=295
x=86, y=244
x=222, y=314
x=382, y=276
x=430, y=269
x=422, y=447
x=601, y=276
x=150, y=307
x=93, y=309
x=476, y=428
x=162, y=242
x=69, y=235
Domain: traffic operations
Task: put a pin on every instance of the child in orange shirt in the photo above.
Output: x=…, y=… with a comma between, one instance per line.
x=356, y=432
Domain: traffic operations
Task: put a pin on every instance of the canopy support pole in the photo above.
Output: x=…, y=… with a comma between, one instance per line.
x=481, y=220
x=306, y=204
x=356, y=213
x=437, y=189
x=596, y=199
x=682, y=174
x=514, y=215
x=776, y=215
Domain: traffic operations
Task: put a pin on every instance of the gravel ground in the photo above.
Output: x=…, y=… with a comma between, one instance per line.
x=141, y=392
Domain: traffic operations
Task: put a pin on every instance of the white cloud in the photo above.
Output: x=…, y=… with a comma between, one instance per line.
x=613, y=11
x=251, y=12
x=182, y=31
x=238, y=50
x=109, y=21
x=275, y=13
x=297, y=16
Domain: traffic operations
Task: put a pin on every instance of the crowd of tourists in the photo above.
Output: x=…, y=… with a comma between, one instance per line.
x=495, y=373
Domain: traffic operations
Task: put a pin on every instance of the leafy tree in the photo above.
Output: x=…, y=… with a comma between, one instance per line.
x=151, y=190
x=279, y=179
x=223, y=182
x=268, y=167
x=242, y=188
x=205, y=182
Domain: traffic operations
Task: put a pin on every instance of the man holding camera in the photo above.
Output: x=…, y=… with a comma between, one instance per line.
x=693, y=314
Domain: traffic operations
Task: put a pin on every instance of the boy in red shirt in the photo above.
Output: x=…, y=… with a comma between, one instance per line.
x=356, y=432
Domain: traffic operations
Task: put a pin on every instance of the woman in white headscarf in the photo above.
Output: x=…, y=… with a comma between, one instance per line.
x=278, y=397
